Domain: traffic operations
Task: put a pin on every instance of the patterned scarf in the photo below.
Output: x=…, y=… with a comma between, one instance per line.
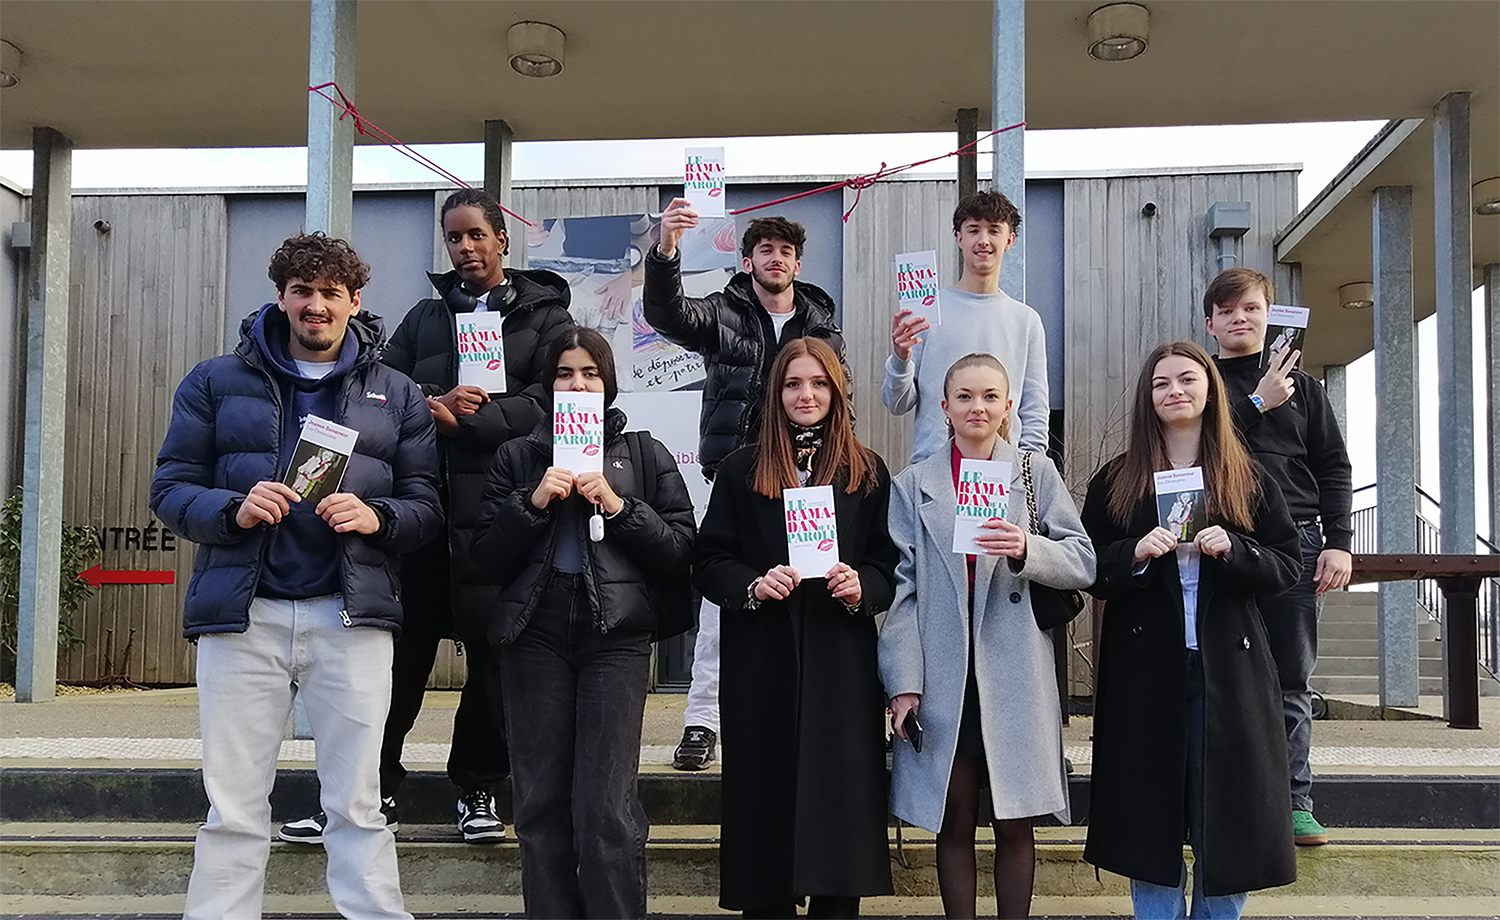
x=806, y=442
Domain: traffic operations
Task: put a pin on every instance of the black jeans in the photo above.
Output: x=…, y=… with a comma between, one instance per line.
x=574, y=700
x=1292, y=627
x=478, y=758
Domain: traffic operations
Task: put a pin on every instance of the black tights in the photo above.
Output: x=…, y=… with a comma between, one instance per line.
x=1015, y=849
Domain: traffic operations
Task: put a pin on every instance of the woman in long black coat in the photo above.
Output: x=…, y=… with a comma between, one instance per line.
x=1188, y=735
x=800, y=697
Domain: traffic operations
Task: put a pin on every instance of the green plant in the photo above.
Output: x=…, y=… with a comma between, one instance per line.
x=79, y=546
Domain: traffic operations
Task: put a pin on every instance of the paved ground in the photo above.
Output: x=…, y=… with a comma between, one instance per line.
x=160, y=727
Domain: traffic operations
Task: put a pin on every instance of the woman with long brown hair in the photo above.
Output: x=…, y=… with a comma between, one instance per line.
x=804, y=782
x=1188, y=736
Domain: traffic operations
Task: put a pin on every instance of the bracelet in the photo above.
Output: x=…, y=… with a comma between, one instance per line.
x=751, y=601
x=1258, y=403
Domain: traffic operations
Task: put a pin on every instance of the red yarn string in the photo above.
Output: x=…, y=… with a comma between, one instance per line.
x=361, y=123
x=860, y=183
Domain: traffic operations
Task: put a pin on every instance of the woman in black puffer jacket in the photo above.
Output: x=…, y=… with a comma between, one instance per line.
x=573, y=628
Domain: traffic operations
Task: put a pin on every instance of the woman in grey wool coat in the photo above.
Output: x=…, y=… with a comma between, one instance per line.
x=961, y=649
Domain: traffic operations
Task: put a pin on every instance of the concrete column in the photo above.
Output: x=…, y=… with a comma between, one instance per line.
x=46, y=414
x=968, y=162
x=330, y=141
x=1453, y=263
x=498, y=159
x=1395, y=438
x=1008, y=107
x=1336, y=383
x=1492, y=384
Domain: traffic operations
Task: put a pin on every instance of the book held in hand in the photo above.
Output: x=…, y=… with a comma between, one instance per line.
x=982, y=495
x=481, y=351
x=320, y=458
x=812, y=531
x=1286, y=328
x=578, y=431
x=1180, y=504
x=703, y=180
x=917, y=285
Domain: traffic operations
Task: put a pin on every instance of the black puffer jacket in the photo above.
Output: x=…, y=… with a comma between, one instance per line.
x=425, y=348
x=644, y=546
x=734, y=334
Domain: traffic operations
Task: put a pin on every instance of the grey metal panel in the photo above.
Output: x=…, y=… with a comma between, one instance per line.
x=1133, y=281
x=145, y=307
x=13, y=208
x=1042, y=225
x=392, y=232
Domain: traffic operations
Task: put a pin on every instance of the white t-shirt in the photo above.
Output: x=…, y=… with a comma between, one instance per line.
x=1188, y=559
x=314, y=370
x=779, y=321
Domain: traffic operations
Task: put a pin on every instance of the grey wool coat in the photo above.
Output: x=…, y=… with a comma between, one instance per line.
x=924, y=643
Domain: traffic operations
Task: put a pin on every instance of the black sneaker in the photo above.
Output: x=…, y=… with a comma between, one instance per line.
x=477, y=820
x=696, y=749
x=309, y=830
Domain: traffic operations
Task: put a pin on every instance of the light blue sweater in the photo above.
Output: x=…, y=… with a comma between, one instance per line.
x=996, y=324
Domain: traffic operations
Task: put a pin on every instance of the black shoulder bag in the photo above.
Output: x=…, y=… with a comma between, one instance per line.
x=1052, y=607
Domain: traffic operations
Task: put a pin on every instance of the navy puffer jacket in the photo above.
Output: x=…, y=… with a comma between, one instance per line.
x=225, y=436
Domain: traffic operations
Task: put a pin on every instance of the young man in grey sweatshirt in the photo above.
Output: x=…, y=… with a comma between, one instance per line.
x=976, y=317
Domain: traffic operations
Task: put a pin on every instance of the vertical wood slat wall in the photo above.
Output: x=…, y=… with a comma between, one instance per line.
x=146, y=306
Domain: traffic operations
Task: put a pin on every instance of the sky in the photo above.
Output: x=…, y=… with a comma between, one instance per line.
x=1322, y=149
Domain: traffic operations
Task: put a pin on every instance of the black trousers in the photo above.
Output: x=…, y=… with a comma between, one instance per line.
x=480, y=757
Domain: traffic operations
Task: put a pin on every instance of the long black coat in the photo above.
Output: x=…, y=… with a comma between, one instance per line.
x=1136, y=813
x=800, y=701
x=425, y=348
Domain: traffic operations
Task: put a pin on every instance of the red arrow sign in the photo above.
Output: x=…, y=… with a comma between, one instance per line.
x=97, y=576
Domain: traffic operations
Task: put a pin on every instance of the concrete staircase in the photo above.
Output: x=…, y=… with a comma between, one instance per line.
x=118, y=843
x=1349, y=650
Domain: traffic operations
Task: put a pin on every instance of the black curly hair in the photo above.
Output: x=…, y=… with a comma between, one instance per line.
x=317, y=256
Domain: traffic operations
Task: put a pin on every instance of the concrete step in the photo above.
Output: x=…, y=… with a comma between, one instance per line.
x=1367, y=685
x=1335, y=666
x=1427, y=630
x=1369, y=648
x=133, y=860
x=1263, y=904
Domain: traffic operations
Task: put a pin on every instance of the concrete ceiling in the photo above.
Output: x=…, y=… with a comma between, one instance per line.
x=1333, y=240
x=163, y=73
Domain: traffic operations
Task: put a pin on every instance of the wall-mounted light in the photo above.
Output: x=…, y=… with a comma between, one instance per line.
x=1357, y=295
x=1486, y=196
x=1119, y=31
x=10, y=64
x=536, y=49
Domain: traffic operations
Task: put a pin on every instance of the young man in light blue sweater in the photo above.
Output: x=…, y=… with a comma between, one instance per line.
x=976, y=317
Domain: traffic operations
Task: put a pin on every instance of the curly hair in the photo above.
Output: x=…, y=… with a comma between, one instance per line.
x=986, y=205
x=774, y=229
x=317, y=256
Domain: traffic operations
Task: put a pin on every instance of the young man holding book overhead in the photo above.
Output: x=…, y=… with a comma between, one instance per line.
x=291, y=594
x=976, y=317
x=1287, y=421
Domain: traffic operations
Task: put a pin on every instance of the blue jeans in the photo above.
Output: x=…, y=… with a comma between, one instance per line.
x=1159, y=902
x=574, y=699
x=1292, y=628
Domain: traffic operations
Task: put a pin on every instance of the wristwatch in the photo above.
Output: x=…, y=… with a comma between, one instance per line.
x=751, y=601
x=1258, y=403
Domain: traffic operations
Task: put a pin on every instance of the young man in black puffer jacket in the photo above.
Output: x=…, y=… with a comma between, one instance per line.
x=443, y=592
x=738, y=331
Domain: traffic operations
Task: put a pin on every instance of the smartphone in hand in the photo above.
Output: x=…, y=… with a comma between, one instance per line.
x=913, y=730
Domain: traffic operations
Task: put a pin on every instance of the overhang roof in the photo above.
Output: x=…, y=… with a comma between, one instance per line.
x=163, y=73
x=1333, y=239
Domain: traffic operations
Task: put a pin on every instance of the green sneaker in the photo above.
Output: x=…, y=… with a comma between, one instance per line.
x=1306, y=831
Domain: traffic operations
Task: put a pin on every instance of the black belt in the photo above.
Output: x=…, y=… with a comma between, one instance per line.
x=1305, y=523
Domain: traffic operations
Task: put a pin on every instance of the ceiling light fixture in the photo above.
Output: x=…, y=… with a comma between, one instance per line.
x=1119, y=31
x=1358, y=295
x=10, y=64
x=536, y=49
x=1486, y=196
